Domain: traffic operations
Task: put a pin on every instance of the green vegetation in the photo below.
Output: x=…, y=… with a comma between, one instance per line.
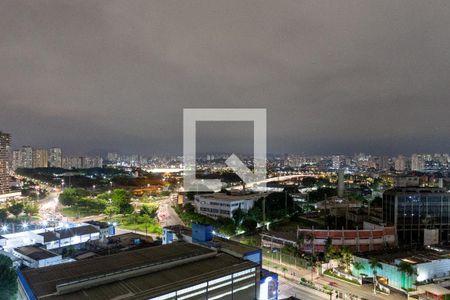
x=70, y=196
x=15, y=208
x=332, y=274
x=188, y=215
x=31, y=209
x=375, y=265
x=79, y=204
x=345, y=259
x=78, y=212
x=321, y=194
x=121, y=199
x=143, y=223
x=278, y=206
x=8, y=278
x=358, y=266
x=408, y=272
x=3, y=215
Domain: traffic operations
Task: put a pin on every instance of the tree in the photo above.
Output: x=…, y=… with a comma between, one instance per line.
x=226, y=226
x=358, y=266
x=313, y=261
x=308, y=182
x=8, y=278
x=121, y=199
x=345, y=258
x=15, y=208
x=111, y=210
x=249, y=225
x=375, y=265
x=71, y=196
x=238, y=216
x=276, y=204
x=145, y=219
x=31, y=209
x=329, y=249
x=407, y=271
x=3, y=215
x=149, y=210
x=330, y=252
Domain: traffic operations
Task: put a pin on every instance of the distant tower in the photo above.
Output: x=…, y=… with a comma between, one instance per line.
x=5, y=141
x=341, y=183
x=55, y=157
x=400, y=163
x=40, y=158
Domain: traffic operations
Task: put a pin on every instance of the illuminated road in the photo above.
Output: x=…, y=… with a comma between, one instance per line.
x=48, y=207
x=166, y=214
x=274, y=179
x=288, y=289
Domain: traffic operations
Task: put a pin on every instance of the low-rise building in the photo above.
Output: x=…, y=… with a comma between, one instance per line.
x=176, y=271
x=370, y=238
x=430, y=264
x=74, y=235
x=223, y=205
x=35, y=257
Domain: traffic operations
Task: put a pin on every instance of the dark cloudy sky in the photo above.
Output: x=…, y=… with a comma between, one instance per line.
x=335, y=76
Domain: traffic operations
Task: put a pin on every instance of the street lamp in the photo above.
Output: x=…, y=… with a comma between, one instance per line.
x=5, y=228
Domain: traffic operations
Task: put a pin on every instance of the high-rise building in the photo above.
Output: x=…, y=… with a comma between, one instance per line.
x=40, y=158
x=400, y=163
x=26, y=156
x=414, y=211
x=383, y=163
x=112, y=157
x=72, y=162
x=82, y=162
x=336, y=162
x=55, y=158
x=5, y=141
x=16, y=159
x=88, y=162
x=417, y=162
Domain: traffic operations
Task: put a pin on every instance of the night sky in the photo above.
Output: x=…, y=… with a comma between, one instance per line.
x=335, y=76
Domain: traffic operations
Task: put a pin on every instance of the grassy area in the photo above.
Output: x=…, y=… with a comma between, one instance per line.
x=73, y=212
x=150, y=227
x=330, y=273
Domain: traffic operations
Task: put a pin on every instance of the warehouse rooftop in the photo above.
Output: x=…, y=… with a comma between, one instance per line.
x=35, y=253
x=141, y=273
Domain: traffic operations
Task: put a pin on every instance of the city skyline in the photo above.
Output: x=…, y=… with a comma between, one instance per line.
x=98, y=77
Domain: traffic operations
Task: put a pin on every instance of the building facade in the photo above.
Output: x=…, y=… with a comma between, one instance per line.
x=26, y=157
x=413, y=211
x=314, y=240
x=5, y=141
x=223, y=205
x=55, y=157
x=40, y=158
